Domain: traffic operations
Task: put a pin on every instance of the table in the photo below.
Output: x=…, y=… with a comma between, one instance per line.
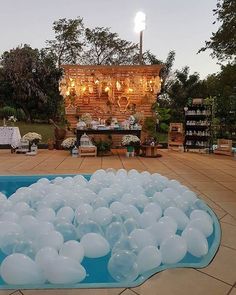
x=150, y=151
x=80, y=132
x=10, y=135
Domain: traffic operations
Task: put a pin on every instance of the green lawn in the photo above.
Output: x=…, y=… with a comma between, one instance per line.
x=46, y=130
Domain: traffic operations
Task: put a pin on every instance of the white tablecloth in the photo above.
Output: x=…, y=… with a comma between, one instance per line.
x=10, y=135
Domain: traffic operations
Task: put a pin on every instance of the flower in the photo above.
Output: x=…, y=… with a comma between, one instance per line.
x=69, y=143
x=86, y=117
x=32, y=137
x=129, y=139
x=12, y=119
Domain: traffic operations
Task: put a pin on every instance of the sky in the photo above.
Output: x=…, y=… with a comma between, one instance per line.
x=180, y=25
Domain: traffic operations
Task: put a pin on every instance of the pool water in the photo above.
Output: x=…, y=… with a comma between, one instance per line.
x=97, y=273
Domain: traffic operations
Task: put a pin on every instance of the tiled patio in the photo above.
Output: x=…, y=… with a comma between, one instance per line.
x=212, y=177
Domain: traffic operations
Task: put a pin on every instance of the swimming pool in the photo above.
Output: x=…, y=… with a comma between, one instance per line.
x=97, y=273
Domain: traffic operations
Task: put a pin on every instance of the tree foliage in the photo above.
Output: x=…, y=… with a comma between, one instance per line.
x=102, y=47
x=223, y=41
x=222, y=88
x=68, y=42
x=31, y=81
x=179, y=89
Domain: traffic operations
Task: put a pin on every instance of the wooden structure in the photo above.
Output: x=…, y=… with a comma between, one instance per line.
x=176, y=136
x=150, y=151
x=87, y=151
x=109, y=91
x=224, y=147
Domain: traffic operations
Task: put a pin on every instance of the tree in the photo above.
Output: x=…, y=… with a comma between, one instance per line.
x=223, y=42
x=222, y=87
x=103, y=47
x=180, y=88
x=32, y=78
x=68, y=43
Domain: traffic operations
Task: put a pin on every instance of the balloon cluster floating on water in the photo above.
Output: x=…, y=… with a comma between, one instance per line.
x=139, y=220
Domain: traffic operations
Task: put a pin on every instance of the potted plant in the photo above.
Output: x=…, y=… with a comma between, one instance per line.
x=103, y=147
x=51, y=144
x=33, y=138
x=69, y=143
x=132, y=143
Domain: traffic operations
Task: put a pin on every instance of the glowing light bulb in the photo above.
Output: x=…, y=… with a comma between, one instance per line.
x=139, y=22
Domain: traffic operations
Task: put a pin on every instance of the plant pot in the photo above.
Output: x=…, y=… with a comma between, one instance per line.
x=130, y=149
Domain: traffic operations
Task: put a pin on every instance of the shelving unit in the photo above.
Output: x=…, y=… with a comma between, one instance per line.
x=198, y=127
x=176, y=136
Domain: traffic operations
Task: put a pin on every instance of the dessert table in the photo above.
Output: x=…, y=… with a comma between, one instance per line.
x=10, y=135
x=80, y=132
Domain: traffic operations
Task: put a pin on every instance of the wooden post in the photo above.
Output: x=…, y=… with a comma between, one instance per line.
x=141, y=48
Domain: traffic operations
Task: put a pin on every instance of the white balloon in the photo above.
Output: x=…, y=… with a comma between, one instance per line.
x=179, y=216
x=95, y=245
x=189, y=196
x=66, y=213
x=88, y=226
x=148, y=258
x=19, y=269
x=46, y=214
x=44, y=255
x=128, y=199
x=72, y=249
x=102, y=216
x=162, y=200
x=170, y=193
x=142, y=238
x=64, y=270
x=196, y=242
x=8, y=227
x=130, y=224
x=21, y=208
x=173, y=249
x=2, y=197
x=154, y=208
x=83, y=213
x=170, y=221
x=202, y=224
x=43, y=227
x=117, y=207
x=114, y=232
x=146, y=219
x=9, y=216
x=200, y=214
x=52, y=239
x=123, y=266
x=161, y=231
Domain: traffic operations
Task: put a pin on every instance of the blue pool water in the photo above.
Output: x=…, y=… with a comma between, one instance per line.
x=97, y=273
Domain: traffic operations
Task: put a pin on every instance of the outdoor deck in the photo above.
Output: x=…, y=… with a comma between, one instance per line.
x=212, y=177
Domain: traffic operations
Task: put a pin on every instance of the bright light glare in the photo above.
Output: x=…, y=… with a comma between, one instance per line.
x=139, y=22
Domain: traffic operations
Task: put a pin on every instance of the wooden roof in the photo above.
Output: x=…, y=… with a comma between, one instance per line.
x=112, y=69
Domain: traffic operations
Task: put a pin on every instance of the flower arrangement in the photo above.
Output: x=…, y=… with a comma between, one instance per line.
x=130, y=140
x=86, y=118
x=69, y=143
x=139, y=117
x=32, y=137
x=12, y=119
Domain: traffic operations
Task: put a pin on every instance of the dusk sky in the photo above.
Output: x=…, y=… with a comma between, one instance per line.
x=180, y=25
